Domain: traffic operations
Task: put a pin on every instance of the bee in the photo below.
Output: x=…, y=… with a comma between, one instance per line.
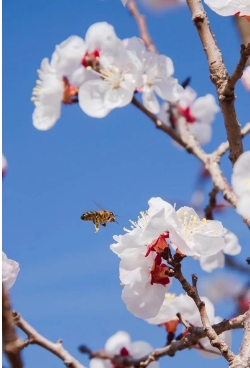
x=99, y=218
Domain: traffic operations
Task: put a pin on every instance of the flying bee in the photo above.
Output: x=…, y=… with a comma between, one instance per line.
x=99, y=218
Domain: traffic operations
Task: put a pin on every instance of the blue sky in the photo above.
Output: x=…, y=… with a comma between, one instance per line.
x=68, y=286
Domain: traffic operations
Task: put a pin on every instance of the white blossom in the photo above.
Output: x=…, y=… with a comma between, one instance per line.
x=10, y=271
x=229, y=7
x=142, y=270
x=199, y=113
x=121, y=344
x=114, y=86
x=195, y=237
x=185, y=305
x=245, y=79
x=171, y=306
x=241, y=184
x=59, y=79
x=232, y=247
x=157, y=80
x=52, y=89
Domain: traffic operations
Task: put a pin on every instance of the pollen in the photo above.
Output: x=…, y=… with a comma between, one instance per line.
x=141, y=222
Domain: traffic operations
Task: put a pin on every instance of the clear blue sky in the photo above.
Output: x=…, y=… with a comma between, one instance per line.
x=68, y=286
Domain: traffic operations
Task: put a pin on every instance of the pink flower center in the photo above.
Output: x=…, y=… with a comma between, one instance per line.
x=91, y=58
x=158, y=245
x=187, y=114
x=68, y=92
x=159, y=272
x=124, y=353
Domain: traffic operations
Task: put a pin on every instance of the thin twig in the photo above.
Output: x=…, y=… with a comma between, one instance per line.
x=35, y=338
x=233, y=264
x=188, y=141
x=237, y=74
x=141, y=22
x=219, y=76
x=223, y=147
x=210, y=332
x=212, y=204
x=244, y=29
x=185, y=342
x=158, y=123
x=11, y=343
x=243, y=359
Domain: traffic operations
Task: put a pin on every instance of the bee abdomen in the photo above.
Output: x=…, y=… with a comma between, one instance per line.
x=88, y=216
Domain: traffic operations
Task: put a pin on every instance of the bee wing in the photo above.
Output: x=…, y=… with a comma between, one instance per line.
x=98, y=205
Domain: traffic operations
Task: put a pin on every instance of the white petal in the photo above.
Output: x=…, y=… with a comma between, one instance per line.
x=207, y=245
x=145, y=304
x=179, y=242
x=245, y=79
x=118, y=97
x=118, y=341
x=140, y=348
x=232, y=244
x=45, y=116
x=243, y=205
x=169, y=89
x=164, y=114
x=99, y=363
x=100, y=35
x=91, y=98
x=10, y=270
x=204, y=108
x=68, y=55
x=202, y=132
x=229, y=7
x=187, y=98
x=241, y=174
x=150, y=101
x=210, y=263
x=128, y=240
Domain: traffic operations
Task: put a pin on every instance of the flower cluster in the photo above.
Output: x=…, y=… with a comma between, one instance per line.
x=143, y=270
x=185, y=305
x=102, y=73
x=198, y=112
x=121, y=344
x=10, y=271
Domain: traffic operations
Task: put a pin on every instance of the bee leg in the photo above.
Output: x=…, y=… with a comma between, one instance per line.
x=96, y=227
x=103, y=224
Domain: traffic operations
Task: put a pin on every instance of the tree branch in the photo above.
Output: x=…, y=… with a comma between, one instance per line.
x=237, y=74
x=188, y=141
x=11, y=343
x=219, y=76
x=186, y=342
x=158, y=123
x=244, y=29
x=35, y=338
x=212, y=204
x=141, y=22
x=223, y=147
x=245, y=346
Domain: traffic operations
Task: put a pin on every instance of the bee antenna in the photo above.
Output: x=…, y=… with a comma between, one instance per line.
x=117, y=222
x=118, y=216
